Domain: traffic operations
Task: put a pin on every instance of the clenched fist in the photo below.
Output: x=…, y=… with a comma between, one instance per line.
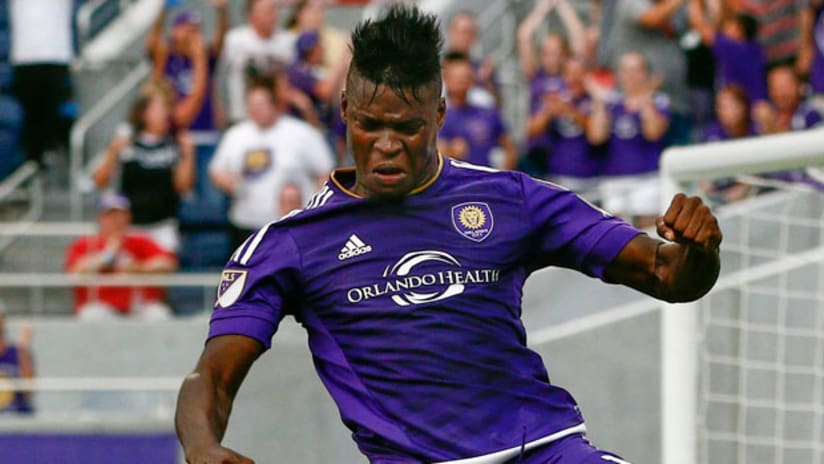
x=690, y=222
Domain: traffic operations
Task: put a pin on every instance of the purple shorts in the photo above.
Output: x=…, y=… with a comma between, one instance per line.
x=574, y=449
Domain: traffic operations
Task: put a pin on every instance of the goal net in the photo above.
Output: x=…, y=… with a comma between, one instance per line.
x=743, y=369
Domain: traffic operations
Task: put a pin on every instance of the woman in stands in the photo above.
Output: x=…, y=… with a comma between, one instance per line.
x=156, y=164
x=733, y=121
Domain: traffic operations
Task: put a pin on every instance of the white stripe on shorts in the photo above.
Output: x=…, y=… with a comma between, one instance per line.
x=502, y=456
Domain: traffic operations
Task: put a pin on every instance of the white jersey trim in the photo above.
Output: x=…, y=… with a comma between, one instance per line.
x=499, y=457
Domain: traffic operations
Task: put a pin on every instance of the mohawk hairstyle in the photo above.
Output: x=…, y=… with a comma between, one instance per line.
x=400, y=50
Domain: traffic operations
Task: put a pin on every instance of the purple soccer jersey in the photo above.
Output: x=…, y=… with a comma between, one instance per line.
x=542, y=84
x=480, y=127
x=10, y=369
x=569, y=151
x=179, y=70
x=628, y=152
x=742, y=64
x=413, y=307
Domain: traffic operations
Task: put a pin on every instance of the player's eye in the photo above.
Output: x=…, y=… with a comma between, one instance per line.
x=369, y=124
x=409, y=128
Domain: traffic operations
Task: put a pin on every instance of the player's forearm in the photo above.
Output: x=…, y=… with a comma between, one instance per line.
x=685, y=273
x=202, y=412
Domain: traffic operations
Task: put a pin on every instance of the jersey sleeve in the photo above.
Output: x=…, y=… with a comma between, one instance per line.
x=568, y=231
x=257, y=286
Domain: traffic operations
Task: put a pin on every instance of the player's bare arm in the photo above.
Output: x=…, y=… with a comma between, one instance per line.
x=205, y=399
x=682, y=269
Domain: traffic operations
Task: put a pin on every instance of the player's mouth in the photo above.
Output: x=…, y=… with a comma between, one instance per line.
x=388, y=174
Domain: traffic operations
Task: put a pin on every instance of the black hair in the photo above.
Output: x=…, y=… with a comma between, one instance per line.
x=400, y=50
x=749, y=25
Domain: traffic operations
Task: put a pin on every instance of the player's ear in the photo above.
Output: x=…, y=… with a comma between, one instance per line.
x=441, y=112
x=344, y=104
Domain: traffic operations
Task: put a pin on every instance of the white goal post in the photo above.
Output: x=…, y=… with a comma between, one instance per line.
x=681, y=166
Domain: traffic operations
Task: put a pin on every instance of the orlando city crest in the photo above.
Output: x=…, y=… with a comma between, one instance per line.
x=473, y=220
x=230, y=288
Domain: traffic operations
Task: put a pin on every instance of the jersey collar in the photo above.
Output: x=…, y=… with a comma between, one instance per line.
x=338, y=173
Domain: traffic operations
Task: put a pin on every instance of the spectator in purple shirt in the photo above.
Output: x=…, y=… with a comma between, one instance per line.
x=786, y=111
x=470, y=132
x=632, y=124
x=732, y=109
x=561, y=124
x=739, y=58
x=544, y=72
x=189, y=64
x=309, y=76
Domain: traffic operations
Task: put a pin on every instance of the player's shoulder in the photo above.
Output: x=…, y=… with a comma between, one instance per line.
x=280, y=237
x=239, y=34
x=467, y=174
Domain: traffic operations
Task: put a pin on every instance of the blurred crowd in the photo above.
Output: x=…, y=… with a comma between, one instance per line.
x=236, y=129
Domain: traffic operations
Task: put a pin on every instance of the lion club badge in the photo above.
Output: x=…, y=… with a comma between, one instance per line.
x=230, y=288
x=473, y=220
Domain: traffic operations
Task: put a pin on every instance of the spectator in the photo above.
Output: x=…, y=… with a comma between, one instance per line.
x=470, y=132
x=785, y=111
x=253, y=49
x=157, y=167
x=462, y=38
x=739, y=59
x=115, y=250
x=258, y=157
x=545, y=74
x=189, y=65
x=815, y=42
x=783, y=26
x=41, y=51
x=647, y=27
x=291, y=199
x=732, y=106
x=317, y=83
x=561, y=122
x=633, y=125
x=15, y=363
x=310, y=16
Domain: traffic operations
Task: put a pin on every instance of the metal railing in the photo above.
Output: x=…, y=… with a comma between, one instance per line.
x=25, y=174
x=80, y=130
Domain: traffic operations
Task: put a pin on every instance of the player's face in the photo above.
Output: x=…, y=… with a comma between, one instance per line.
x=392, y=140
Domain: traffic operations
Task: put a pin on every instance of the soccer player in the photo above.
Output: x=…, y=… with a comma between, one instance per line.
x=407, y=271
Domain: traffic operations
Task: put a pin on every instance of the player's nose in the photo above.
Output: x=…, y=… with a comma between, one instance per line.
x=387, y=144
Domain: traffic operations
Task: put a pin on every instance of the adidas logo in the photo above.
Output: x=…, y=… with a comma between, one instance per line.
x=354, y=247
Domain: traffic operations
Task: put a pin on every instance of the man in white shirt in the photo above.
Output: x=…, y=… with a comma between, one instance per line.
x=253, y=48
x=260, y=156
x=41, y=51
